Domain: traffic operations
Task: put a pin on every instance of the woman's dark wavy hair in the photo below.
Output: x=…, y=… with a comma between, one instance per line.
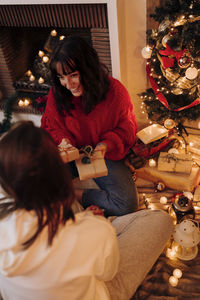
x=75, y=54
x=33, y=175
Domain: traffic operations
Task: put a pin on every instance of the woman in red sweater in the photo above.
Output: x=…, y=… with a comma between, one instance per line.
x=86, y=106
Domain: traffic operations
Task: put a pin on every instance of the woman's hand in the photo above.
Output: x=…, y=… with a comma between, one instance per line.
x=101, y=147
x=96, y=210
x=65, y=143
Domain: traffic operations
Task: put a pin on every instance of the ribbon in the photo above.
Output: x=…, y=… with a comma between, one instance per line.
x=161, y=97
x=168, y=62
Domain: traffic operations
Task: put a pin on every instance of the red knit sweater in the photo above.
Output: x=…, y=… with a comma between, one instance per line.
x=112, y=122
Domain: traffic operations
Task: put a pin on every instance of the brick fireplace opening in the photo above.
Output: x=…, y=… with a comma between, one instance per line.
x=24, y=30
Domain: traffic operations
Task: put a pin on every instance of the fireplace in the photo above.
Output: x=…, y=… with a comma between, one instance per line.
x=24, y=29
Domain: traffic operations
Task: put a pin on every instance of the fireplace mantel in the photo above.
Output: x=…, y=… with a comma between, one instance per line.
x=112, y=22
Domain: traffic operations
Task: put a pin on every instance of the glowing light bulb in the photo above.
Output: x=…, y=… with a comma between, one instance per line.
x=173, y=281
x=177, y=273
x=152, y=162
x=62, y=37
x=163, y=200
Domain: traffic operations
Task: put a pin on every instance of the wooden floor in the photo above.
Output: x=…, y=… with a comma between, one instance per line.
x=156, y=285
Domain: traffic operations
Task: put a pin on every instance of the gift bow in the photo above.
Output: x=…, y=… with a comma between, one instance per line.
x=168, y=62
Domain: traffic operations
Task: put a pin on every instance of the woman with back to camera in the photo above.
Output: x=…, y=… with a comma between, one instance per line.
x=86, y=106
x=49, y=253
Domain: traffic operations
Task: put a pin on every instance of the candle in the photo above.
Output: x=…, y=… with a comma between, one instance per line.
x=21, y=103
x=61, y=37
x=41, y=53
x=45, y=59
x=32, y=78
x=29, y=73
x=26, y=102
x=53, y=33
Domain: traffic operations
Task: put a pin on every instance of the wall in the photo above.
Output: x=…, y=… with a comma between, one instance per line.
x=133, y=21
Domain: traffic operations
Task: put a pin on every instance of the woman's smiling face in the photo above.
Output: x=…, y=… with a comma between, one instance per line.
x=71, y=81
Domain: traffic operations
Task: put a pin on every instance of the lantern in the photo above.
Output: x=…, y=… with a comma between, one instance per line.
x=186, y=238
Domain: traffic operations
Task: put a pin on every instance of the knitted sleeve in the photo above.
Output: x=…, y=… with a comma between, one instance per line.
x=54, y=123
x=123, y=135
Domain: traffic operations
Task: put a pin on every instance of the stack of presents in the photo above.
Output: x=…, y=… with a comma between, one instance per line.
x=161, y=155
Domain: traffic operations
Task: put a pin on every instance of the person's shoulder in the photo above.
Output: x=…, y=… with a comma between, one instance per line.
x=116, y=84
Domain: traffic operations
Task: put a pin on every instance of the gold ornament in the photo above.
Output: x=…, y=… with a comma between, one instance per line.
x=169, y=124
x=160, y=186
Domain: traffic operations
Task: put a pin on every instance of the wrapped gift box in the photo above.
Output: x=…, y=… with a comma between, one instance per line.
x=194, y=144
x=175, y=181
x=69, y=154
x=97, y=167
x=178, y=163
x=152, y=133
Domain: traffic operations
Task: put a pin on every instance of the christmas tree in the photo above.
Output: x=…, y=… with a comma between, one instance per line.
x=173, y=63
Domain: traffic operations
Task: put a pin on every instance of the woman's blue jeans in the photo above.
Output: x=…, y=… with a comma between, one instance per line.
x=117, y=193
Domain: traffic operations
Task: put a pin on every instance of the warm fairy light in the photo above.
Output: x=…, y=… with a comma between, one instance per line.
x=152, y=162
x=32, y=78
x=53, y=32
x=163, y=200
x=41, y=80
x=29, y=73
x=171, y=253
x=45, y=58
x=173, y=281
x=41, y=53
x=177, y=273
x=62, y=37
x=21, y=103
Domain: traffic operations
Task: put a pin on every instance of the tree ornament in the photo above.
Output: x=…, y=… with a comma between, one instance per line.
x=164, y=25
x=169, y=124
x=165, y=39
x=191, y=73
x=146, y=52
x=184, y=61
x=160, y=187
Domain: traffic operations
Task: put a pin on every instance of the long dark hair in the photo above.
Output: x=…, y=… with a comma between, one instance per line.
x=75, y=54
x=33, y=175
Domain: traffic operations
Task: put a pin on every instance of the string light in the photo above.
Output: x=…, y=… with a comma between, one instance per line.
x=177, y=273
x=173, y=281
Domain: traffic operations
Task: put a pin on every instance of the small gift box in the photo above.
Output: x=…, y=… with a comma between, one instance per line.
x=177, y=163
